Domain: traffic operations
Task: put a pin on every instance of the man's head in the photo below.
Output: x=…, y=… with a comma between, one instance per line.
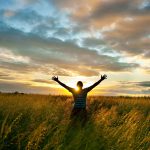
x=79, y=84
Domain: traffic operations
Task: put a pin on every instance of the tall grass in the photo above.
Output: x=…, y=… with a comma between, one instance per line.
x=35, y=122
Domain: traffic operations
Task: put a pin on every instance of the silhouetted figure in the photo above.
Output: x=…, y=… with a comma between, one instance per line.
x=79, y=110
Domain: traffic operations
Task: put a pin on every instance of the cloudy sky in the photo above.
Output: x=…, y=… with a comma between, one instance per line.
x=76, y=40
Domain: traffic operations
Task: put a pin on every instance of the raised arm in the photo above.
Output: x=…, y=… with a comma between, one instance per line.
x=103, y=77
x=62, y=84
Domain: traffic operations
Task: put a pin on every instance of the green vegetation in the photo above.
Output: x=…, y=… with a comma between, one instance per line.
x=35, y=122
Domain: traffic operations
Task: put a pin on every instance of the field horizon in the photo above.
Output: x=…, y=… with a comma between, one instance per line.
x=70, y=95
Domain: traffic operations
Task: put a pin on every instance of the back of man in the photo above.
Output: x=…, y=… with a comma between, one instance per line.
x=79, y=109
x=80, y=98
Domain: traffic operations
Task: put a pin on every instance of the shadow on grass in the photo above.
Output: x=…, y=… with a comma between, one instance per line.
x=82, y=133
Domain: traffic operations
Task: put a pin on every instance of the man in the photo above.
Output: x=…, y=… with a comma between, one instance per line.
x=80, y=96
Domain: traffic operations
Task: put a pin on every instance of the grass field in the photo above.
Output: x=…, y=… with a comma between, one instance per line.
x=35, y=122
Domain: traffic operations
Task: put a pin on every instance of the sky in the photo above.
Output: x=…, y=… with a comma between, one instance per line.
x=75, y=40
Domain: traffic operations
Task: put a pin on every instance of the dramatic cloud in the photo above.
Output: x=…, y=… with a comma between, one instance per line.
x=73, y=38
x=39, y=50
x=124, y=24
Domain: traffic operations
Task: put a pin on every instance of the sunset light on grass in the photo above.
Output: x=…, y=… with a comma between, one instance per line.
x=74, y=74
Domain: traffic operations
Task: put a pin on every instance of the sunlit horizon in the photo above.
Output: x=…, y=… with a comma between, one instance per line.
x=76, y=41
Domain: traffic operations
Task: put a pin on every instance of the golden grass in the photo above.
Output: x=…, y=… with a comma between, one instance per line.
x=35, y=122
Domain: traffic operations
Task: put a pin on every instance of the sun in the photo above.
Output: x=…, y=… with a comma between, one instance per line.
x=77, y=88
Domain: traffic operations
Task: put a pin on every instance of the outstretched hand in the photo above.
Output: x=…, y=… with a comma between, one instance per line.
x=103, y=77
x=55, y=78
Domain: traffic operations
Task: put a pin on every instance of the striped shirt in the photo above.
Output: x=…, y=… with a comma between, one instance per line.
x=79, y=97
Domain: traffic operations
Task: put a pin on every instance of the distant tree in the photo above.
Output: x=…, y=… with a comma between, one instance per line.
x=16, y=92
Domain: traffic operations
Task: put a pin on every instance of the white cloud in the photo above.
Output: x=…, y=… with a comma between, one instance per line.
x=8, y=56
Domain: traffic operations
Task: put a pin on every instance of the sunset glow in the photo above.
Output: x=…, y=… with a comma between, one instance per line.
x=76, y=41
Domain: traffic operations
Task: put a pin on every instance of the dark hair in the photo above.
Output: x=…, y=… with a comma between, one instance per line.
x=80, y=84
